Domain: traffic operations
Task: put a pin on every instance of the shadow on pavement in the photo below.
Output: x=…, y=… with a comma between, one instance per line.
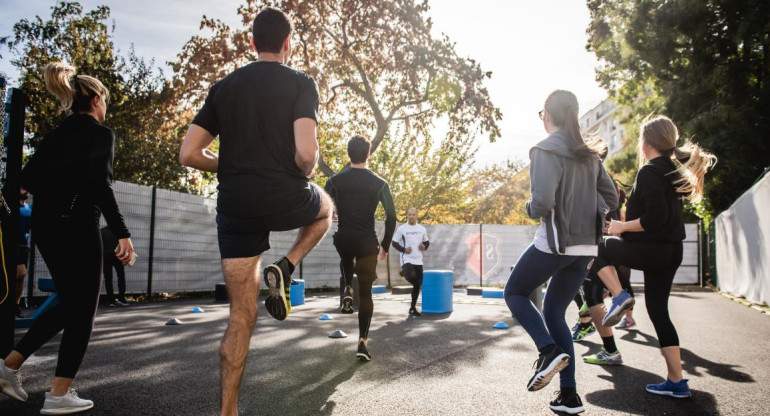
x=628, y=395
x=692, y=363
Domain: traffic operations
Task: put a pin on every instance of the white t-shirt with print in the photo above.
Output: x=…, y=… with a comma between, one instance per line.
x=411, y=236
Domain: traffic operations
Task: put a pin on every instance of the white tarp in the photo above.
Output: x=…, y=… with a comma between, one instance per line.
x=743, y=246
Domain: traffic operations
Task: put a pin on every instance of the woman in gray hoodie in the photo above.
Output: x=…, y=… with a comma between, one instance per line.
x=571, y=192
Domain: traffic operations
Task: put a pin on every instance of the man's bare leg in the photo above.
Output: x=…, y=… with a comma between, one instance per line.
x=310, y=235
x=242, y=288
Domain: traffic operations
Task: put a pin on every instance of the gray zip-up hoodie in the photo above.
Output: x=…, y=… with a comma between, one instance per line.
x=571, y=197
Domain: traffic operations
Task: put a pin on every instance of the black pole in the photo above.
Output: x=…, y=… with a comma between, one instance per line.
x=387, y=266
x=13, y=137
x=150, y=256
x=300, y=271
x=481, y=255
x=31, y=269
x=700, y=252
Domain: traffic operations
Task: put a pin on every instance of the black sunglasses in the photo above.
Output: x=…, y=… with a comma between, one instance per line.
x=541, y=114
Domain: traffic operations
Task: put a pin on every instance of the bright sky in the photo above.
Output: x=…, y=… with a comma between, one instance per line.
x=531, y=47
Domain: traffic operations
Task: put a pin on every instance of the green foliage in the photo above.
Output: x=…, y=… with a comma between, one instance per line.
x=498, y=194
x=624, y=165
x=141, y=110
x=705, y=64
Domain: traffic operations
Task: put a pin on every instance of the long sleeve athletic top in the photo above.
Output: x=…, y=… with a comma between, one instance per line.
x=70, y=174
x=356, y=193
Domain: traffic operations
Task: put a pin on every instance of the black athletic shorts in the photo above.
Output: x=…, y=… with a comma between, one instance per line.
x=249, y=237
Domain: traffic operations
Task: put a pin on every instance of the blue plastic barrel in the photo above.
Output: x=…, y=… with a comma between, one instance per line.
x=297, y=292
x=437, y=291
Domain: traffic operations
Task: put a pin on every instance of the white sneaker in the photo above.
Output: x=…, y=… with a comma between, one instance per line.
x=10, y=383
x=65, y=405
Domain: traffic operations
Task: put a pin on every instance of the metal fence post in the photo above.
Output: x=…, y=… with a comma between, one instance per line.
x=152, y=241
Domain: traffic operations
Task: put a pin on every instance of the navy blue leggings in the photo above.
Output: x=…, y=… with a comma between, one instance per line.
x=532, y=270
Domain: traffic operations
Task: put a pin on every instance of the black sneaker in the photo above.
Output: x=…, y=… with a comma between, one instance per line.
x=547, y=366
x=569, y=403
x=121, y=302
x=347, y=301
x=278, y=279
x=17, y=313
x=414, y=312
x=363, y=353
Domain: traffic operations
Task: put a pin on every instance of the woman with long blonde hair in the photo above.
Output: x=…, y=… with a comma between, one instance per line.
x=650, y=239
x=70, y=176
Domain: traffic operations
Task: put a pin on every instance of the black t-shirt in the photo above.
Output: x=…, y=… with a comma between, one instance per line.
x=356, y=193
x=253, y=110
x=656, y=203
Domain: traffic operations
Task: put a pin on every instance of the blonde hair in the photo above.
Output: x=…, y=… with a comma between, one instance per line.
x=661, y=133
x=74, y=92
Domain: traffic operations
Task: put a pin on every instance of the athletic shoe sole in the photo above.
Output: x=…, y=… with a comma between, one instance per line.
x=601, y=362
x=626, y=327
x=670, y=394
x=363, y=357
x=347, y=305
x=544, y=377
x=568, y=410
x=617, y=314
x=276, y=300
x=65, y=410
x=7, y=388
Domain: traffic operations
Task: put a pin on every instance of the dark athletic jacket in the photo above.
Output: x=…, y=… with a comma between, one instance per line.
x=656, y=203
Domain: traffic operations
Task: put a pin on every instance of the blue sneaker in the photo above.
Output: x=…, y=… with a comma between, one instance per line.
x=680, y=390
x=620, y=304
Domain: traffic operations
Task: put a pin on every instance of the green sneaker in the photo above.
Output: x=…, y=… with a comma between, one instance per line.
x=581, y=332
x=584, y=311
x=604, y=358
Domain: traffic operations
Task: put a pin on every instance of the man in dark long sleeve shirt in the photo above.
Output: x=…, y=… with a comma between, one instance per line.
x=356, y=192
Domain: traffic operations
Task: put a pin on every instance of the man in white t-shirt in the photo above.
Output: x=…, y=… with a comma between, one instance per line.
x=411, y=240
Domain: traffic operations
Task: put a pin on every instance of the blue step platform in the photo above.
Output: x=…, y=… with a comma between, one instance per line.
x=379, y=289
x=44, y=284
x=492, y=293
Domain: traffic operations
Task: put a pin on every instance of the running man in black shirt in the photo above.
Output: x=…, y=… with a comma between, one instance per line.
x=356, y=191
x=265, y=115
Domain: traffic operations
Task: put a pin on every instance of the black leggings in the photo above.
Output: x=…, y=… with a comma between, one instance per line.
x=109, y=261
x=358, y=254
x=593, y=287
x=72, y=250
x=659, y=262
x=413, y=275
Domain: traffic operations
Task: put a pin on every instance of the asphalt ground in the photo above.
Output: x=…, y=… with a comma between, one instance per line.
x=449, y=364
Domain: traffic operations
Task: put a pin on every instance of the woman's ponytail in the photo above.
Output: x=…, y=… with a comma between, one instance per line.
x=661, y=133
x=694, y=163
x=57, y=76
x=74, y=92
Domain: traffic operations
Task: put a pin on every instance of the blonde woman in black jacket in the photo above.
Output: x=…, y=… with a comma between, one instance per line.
x=650, y=239
x=70, y=176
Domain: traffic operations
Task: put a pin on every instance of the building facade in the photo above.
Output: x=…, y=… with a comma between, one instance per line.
x=604, y=121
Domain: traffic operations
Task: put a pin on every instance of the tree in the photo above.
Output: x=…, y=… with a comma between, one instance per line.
x=140, y=110
x=498, y=194
x=704, y=63
x=378, y=68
